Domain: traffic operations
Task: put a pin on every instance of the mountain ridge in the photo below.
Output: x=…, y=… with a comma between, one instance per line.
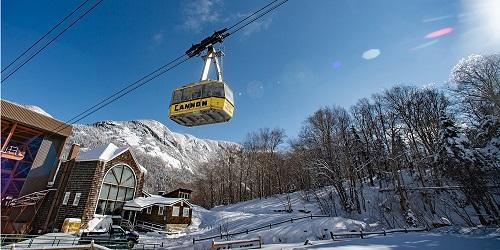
x=170, y=158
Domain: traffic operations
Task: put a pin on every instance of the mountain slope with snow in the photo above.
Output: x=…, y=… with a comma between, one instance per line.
x=151, y=138
x=155, y=147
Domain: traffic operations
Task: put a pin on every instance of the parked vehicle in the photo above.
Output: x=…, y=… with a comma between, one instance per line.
x=115, y=237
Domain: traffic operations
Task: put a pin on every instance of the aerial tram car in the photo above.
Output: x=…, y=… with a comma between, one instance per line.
x=206, y=101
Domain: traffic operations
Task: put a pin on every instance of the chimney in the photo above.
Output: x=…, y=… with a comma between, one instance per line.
x=73, y=152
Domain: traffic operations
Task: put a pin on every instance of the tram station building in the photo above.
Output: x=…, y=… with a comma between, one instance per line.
x=31, y=146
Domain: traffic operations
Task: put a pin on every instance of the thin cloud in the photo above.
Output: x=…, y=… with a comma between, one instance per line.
x=257, y=26
x=158, y=37
x=199, y=12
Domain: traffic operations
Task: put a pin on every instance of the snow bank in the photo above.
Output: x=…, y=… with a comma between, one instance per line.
x=400, y=241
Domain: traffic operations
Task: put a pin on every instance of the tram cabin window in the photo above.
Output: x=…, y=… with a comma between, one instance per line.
x=207, y=90
x=186, y=94
x=196, y=92
x=218, y=90
x=177, y=96
x=229, y=94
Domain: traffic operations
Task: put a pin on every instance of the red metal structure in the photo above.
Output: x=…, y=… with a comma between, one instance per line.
x=18, y=214
x=19, y=148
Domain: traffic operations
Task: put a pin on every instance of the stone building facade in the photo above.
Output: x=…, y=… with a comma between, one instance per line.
x=91, y=186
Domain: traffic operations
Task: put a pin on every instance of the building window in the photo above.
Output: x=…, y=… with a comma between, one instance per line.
x=161, y=210
x=149, y=209
x=66, y=198
x=175, y=211
x=77, y=199
x=117, y=187
x=185, y=212
x=184, y=195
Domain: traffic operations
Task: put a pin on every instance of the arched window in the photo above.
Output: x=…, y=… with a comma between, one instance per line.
x=118, y=186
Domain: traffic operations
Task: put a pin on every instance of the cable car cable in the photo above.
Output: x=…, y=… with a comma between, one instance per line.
x=62, y=32
x=83, y=113
x=46, y=34
x=123, y=94
x=105, y=102
x=255, y=12
x=258, y=17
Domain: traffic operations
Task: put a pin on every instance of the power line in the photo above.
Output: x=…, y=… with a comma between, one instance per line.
x=46, y=34
x=155, y=74
x=58, y=35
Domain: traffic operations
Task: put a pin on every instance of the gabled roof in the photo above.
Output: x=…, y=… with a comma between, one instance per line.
x=106, y=153
x=140, y=203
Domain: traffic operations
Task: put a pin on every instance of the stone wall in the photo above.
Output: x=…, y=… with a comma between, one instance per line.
x=84, y=177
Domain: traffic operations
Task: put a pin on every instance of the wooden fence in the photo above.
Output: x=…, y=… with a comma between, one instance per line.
x=362, y=234
x=266, y=226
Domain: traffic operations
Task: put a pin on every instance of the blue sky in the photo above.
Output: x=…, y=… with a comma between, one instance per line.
x=304, y=55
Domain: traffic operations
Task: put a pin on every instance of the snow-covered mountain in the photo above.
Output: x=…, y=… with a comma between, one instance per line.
x=150, y=138
x=169, y=157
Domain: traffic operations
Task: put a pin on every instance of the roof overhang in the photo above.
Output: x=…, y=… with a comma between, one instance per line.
x=30, y=118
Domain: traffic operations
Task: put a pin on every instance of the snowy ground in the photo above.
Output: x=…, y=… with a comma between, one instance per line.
x=259, y=212
x=402, y=241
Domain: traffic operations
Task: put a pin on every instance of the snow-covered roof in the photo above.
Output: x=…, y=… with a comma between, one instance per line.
x=106, y=153
x=143, y=169
x=140, y=203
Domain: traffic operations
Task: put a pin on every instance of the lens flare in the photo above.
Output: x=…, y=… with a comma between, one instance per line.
x=439, y=33
x=336, y=65
x=371, y=54
x=439, y=18
x=424, y=45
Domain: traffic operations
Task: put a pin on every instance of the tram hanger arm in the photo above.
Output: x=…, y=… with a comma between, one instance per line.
x=211, y=55
x=216, y=37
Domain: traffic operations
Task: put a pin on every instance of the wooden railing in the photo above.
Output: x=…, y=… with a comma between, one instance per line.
x=69, y=242
x=266, y=226
x=150, y=226
x=362, y=234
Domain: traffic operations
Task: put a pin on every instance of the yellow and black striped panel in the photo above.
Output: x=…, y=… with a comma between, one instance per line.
x=202, y=111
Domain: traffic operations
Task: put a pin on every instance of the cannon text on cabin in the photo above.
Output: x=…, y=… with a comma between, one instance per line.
x=190, y=105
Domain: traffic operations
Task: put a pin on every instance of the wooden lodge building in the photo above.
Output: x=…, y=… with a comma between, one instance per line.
x=158, y=213
x=178, y=193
